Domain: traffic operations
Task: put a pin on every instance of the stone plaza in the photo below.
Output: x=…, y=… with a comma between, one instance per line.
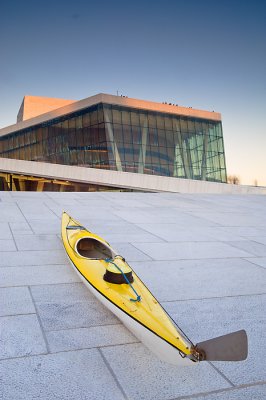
x=202, y=255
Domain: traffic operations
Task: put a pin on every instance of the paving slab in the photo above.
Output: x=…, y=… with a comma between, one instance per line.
x=246, y=231
x=21, y=335
x=42, y=226
x=28, y=195
x=256, y=392
x=234, y=218
x=62, y=202
x=107, y=227
x=57, y=196
x=161, y=215
x=40, y=275
x=55, y=209
x=35, y=210
x=5, y=232
x=261, y=261
x=113, y=201
x=38, y=242
x=130, y=252
x=7, y=245
x=71, y=292
x=9, y=212
x=120, y=237
x=176, y=233
x=258, y=239
x=32, y=257
x=83, y=212
x=252, y=247
x=78, y=314
x=171, y=200
x=145, y=377
x=94, y=202
x=199, y=279
x=5, y=196
x=15, y=300
x=190, y=250
x=72, y=375
x=85, y=338
x=22, y=228
x=69, y=306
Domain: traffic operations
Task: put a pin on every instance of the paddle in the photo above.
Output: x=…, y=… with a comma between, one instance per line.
x=230, y=347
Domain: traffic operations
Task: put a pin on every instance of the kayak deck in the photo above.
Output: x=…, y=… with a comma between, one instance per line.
x=147, y=312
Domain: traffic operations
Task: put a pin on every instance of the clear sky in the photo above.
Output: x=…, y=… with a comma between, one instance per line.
x=198, y=53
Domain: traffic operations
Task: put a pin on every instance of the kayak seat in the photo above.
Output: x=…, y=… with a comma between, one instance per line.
x=92, y=248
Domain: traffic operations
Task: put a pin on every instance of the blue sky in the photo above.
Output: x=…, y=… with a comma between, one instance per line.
x=204, y=54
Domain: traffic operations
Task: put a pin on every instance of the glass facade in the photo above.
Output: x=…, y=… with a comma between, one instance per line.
x=125, y=139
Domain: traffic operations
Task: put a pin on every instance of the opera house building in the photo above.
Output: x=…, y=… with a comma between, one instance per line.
x=119, y=134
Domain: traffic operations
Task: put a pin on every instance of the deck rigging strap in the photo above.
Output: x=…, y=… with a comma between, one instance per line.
x=111, y=261
x=76, y=227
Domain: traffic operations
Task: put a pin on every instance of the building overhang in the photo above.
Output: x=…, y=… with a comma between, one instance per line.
x=123, y=180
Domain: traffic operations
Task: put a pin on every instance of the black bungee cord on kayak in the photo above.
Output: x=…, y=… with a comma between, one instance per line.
x=111, y=261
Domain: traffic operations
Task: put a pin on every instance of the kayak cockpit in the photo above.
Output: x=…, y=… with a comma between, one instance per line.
x=117, y=269
x=91, y=248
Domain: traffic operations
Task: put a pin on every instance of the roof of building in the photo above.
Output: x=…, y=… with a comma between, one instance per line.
x=75, y=106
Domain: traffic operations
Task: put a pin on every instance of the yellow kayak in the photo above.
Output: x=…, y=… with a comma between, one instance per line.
x=109, y=277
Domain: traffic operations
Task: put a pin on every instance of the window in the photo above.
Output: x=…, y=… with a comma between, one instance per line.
x=117, y=117
x=134, y=116
x=152, y=120
x=125, y=117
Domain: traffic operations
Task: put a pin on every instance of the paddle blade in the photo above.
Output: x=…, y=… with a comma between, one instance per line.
x=231, y=347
